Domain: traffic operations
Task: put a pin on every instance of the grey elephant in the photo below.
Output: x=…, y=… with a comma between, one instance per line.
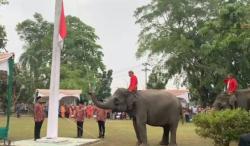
x=152, y=107
x=242, y=100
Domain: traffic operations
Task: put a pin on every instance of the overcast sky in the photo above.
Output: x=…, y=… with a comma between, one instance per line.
x=112, y=19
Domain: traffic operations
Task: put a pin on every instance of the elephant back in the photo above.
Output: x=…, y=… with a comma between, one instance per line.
x=243, y=98
x=159, y=97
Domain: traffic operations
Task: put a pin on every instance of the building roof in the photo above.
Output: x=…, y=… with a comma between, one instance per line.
x=5, y=56
x=180, y=93
x=62, y=93
x=177, y=92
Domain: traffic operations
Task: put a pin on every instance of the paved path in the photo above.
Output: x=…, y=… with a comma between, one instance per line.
x=61, y=141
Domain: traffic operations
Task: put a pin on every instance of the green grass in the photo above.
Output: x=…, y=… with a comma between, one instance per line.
x=118, y=132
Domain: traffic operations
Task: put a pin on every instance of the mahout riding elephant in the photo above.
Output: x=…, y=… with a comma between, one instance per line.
x=152, y=107
x=242, y=100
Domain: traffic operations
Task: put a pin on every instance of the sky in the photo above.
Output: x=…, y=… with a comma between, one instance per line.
x=113, y=21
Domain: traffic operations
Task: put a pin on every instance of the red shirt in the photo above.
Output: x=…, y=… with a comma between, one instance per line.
x=80, y=113
x=38, y=112
x=101, y=114
x=232, y=85
x=133, y=84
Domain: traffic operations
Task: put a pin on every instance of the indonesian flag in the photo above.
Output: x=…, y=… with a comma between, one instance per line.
x=62, y=25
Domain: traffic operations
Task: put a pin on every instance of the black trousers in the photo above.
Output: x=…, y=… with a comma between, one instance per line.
x=101, y=125
x=37, y=131
x=79, y=128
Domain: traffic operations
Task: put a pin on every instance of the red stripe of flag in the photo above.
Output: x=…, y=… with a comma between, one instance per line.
x=62, y=25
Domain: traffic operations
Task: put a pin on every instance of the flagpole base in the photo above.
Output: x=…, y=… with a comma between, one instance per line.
x=59, y=141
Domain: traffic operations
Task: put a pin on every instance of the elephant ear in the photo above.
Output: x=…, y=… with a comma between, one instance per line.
x=131, y=101
x=130, y=98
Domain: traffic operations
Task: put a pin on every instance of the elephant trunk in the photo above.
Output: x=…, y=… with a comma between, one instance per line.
x=106, y=105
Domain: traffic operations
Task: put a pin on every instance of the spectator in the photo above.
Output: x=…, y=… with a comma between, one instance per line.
x=46, y=109
x=101, y=116
x=80, y=119
x=18, y=110
x=38, y=117
x=187, y=115
x=67, y=115
x=62, y=111
x=71, y=111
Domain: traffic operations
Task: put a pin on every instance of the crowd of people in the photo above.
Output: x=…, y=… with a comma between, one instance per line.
x=69, y=111
x=191, y=111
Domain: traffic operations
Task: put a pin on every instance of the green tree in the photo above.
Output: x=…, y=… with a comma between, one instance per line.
x=3, y=39
x=103, y=87
x=81, y=56
x=34, y=63
x=3, y=2
x=190, y=37
x=156, y=79
x=23, y=85
x=3, y=90
x=3, y=77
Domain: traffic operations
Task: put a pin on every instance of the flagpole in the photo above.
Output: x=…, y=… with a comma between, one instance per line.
x=52, y=128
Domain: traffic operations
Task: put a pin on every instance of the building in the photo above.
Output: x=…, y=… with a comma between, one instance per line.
x=65, y=96
x=182, y=94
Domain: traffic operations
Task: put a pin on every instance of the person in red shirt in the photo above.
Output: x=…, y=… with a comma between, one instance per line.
x=80, y=112
x=232, y=86
x=101, y=116
x=38, y=117
x=133, y=82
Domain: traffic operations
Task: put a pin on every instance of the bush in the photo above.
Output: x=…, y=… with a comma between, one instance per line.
x=222, y=126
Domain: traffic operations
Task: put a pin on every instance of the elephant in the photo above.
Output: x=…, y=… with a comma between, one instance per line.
x=152, y=107
x=241, y=100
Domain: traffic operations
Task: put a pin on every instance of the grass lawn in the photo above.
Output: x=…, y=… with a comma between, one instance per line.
x=118, y=132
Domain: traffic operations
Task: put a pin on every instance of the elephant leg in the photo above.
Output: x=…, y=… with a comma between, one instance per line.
x=173, y=130
x=136, y=132
x=233, y=101
x=165, y=137
x=142, y=132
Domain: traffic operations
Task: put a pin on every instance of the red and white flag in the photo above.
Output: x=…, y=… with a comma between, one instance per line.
x=62, y=25
x=60, y=32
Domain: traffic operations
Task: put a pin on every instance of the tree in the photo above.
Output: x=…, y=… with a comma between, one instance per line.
x=3, y=90
x=3, y=39
x=81, y=57
x=156, y=79
x=192, y=36
x=103, y=88
x=3, y=77
x=35, y=61
x=3, y=2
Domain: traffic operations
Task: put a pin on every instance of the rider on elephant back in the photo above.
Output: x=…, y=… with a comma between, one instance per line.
x=133, y=82
x=232, y=86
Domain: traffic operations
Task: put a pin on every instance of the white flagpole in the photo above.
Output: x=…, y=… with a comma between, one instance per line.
x=52, y=128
